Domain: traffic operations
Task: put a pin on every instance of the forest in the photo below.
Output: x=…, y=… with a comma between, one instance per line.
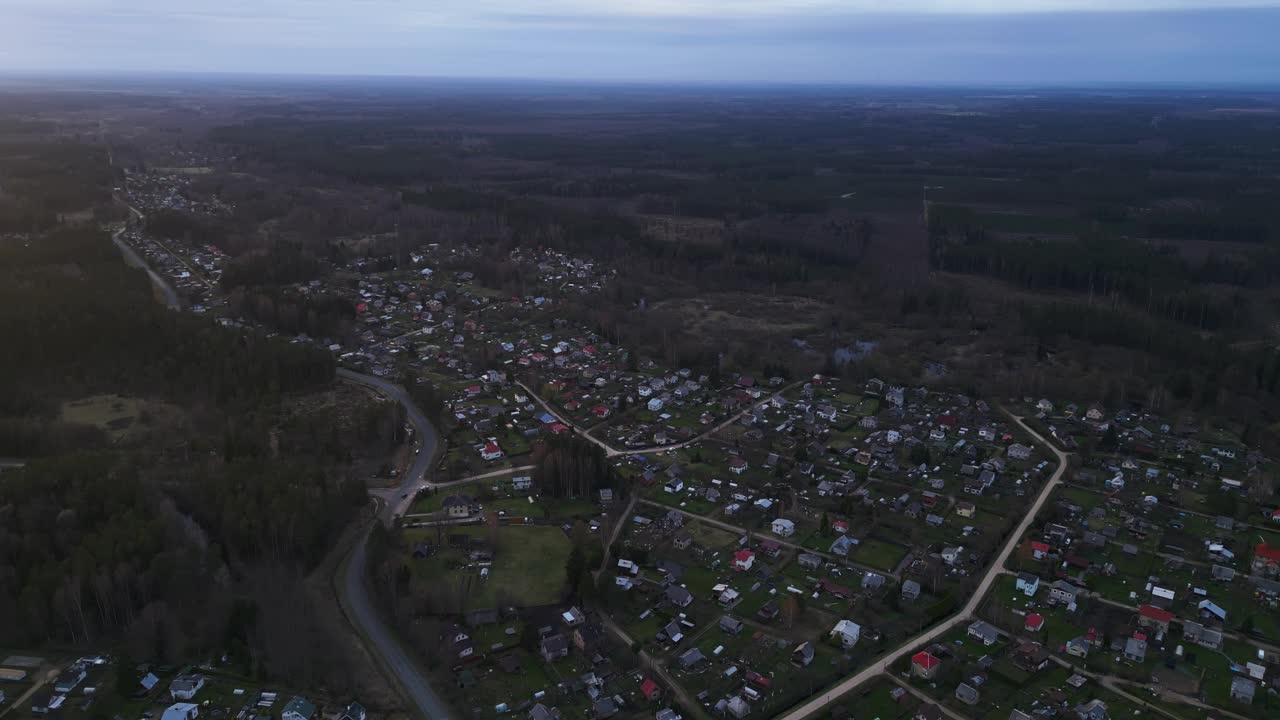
x=167, y=544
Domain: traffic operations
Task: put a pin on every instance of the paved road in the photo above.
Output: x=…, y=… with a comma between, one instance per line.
x=818, y=703
x=415, y=477
x=381, y=640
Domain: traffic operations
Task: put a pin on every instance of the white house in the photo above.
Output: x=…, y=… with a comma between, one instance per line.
x=299, y=708
x=1018, y=451
x=185, y=687
x=783, y=527
x=1028, y=584
x=847, y=632
x=655, y=404
x=181, y=711
x=491, y=451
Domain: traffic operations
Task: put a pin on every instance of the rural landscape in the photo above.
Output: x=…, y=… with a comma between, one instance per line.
x=390, y=398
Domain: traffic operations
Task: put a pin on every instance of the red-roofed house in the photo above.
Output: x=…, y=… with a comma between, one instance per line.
x=925, y=665
x=1154, y=617
x=840, y=526
x=1039, y=550
x=1034, y=623
x=558, y=428
x=600, y=411
x=1266, y=560
x=589, y=349
x=650, y=690
x=491, y=451
x=737, y=465
x=743, y=560
x=839, y=591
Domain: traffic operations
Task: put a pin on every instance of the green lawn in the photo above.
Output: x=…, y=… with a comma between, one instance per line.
x=879, y=554
x=528, y=566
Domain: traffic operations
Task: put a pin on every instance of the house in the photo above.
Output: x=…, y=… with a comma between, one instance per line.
x=655, y=404
x=737, y=707
x=984, y=632
x=1030, y=657
x=1034, y=622
x=803, y=655
x=604, y=708
x=768, y=612
x=1135, y=649
x=1266, y=560
x=743, y=560
x=1028, y=584
x=458, y=506
x=553, y=647
x=147, y=683
x=651, y=690
x=1155, y=618
x=1205, y=637
x=176, y=711
x=952, y=555
x=1018, y=451
x=737, y=465
x=872, y=581
x=491, y=451
x=542, y=712
x=1242, y=690
x=1092, y=710
x=691, y=658
x=925, y=665
x=682, y=540
x=783, y=527
x=1063, y=593
x=185, y=687
x=965, y=509
x=910, y=590
x=1210, y=609
x=1040, y=550
x=1078, y=647
x=667, y=714
x=678, y=596
x=809, y=561
x=847, y=632
x=842, y=545
x=298, y=708
x=731, y=625
x=354, y=711
x=606, y=496
x=68, y=679
x=967, y=694
x=523, y=482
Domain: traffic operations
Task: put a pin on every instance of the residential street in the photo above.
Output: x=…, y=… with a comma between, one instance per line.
x=820, y=702
x=382, y=641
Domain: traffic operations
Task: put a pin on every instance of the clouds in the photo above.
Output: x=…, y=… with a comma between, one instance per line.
x=1021, y=41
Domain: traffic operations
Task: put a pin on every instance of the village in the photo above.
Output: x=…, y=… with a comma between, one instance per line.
x=773, y=536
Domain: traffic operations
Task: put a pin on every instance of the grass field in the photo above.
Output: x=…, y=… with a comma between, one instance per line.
x=528, y=566
x=114, y=414
x=879, y=554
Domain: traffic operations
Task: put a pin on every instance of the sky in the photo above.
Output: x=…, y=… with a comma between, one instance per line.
x=1020, y=42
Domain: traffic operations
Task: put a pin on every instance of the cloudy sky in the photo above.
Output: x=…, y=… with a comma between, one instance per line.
x=822, y=41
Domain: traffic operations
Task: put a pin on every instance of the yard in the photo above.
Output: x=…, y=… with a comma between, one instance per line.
x=527, y=570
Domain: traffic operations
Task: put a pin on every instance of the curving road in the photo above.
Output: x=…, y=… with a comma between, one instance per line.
x=819, y=702
x=355, y=591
